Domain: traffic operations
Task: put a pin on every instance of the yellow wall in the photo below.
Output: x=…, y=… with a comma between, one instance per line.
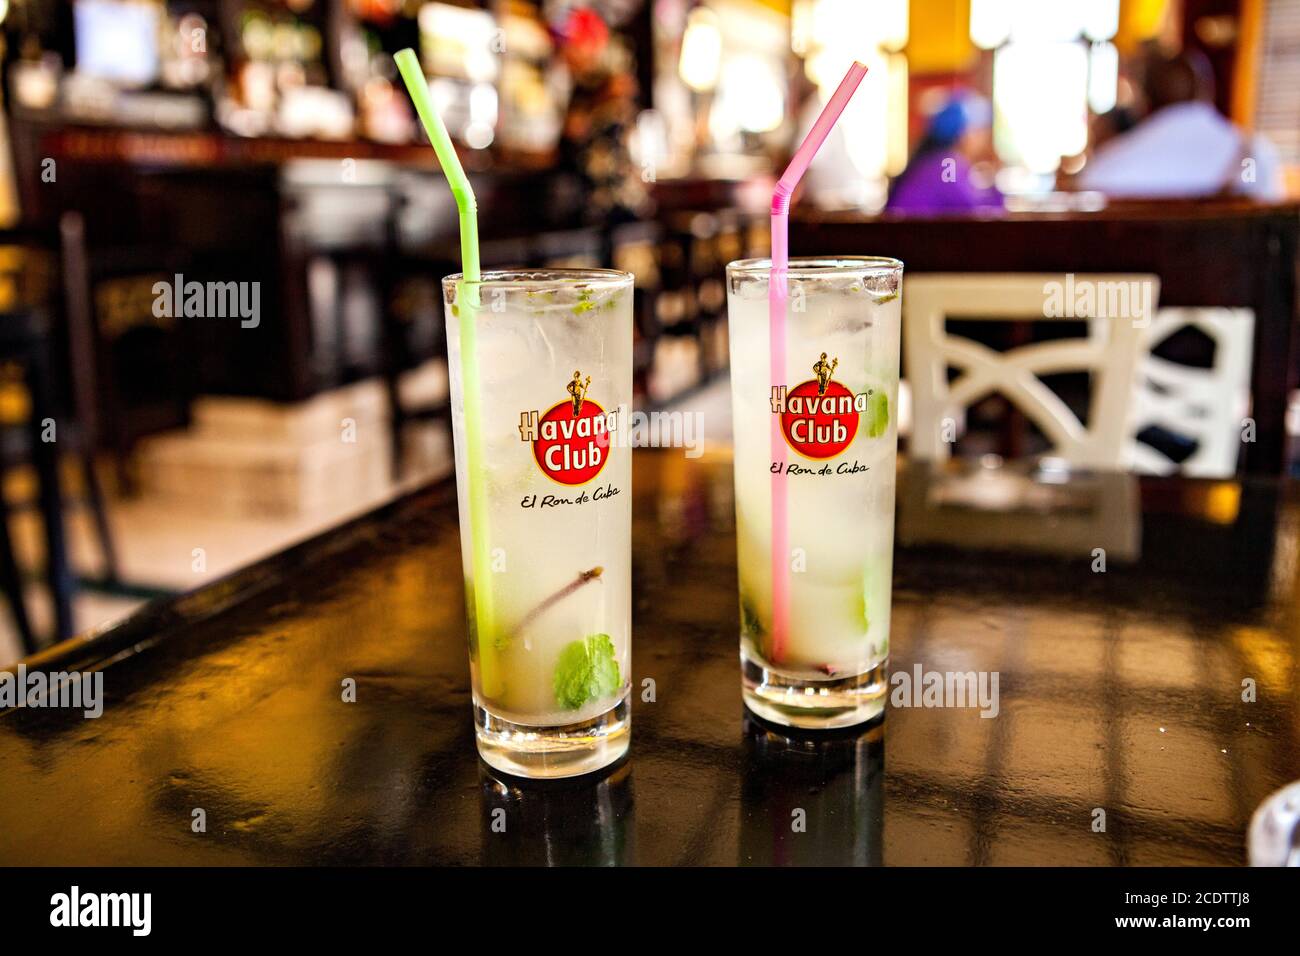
x=940, y=32
x=1139, y=20
x=939, y=40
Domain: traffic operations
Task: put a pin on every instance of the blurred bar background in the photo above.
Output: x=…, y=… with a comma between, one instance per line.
x=265, y=149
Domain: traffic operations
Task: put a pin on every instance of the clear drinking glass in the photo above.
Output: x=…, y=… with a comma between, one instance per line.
x=538, y=401
x=817, y=446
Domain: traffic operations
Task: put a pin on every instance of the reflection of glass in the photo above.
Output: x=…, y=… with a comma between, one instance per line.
x=557, y=822
x=836, y=778
x=1001, y=506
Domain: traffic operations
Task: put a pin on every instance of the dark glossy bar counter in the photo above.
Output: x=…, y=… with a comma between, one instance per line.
x=1120, y=700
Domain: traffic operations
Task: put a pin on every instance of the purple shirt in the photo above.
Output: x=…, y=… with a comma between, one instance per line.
x=928, y=185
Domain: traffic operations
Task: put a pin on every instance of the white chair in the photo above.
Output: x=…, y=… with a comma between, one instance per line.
x=1204, y=405
x=1118, y=308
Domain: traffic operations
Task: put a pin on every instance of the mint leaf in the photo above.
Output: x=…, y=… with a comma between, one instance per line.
x=586, y=671
x=877, y=414
x=750, y=623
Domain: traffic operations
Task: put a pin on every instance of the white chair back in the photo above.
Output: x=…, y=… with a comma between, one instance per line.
x=1118, y=309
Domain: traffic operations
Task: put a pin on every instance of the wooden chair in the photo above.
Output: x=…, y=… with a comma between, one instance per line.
x=131, y=373
x=1109, y=352
x=24, y=342
x=59, y=365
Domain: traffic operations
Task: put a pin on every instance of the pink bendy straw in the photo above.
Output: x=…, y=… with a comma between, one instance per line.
x=776, y=299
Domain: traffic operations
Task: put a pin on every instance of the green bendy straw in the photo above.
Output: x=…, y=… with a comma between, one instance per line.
x=467, y=207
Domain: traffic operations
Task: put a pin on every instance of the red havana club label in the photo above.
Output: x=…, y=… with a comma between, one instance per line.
x=571, y=440
x=819, y=417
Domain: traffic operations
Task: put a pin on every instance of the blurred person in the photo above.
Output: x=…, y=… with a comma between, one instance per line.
x=599, y=182
x=938, y=177
x=1184, y=148
x=1114, y=122
x=1102, y=128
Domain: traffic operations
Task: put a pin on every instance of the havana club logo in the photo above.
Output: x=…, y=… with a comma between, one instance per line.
x=820, y=417
x=571, y=440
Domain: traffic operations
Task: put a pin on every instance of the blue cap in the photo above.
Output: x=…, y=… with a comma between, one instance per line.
x=963, y=110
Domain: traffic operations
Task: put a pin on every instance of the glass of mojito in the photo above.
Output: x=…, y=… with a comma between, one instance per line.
x=541, y=382
x=816, y=443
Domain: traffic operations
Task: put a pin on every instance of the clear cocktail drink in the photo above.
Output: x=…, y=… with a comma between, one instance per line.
x=816, y=447
x=550, y=622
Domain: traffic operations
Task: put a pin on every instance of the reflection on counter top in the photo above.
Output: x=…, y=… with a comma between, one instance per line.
x=1118, y=690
